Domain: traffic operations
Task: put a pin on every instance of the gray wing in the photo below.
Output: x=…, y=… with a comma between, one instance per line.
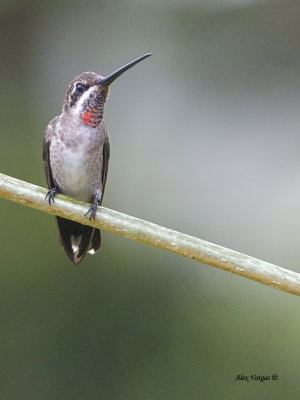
x=46, y=153
x=96, y=239
x=106, y=154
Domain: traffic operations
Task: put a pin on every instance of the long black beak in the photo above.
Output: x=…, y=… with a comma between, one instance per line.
x=110, y=78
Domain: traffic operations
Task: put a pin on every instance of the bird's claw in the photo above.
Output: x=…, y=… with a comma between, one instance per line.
x=50, y=195
x=93, y=211
x=93, y=208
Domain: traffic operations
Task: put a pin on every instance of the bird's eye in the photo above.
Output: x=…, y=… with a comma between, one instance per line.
x=80, y=88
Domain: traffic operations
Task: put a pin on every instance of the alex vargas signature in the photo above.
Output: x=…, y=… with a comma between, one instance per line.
x=254, y=377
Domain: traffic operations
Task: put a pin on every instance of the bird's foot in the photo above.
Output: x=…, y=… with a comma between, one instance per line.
x=93, y=208
x=50, y=195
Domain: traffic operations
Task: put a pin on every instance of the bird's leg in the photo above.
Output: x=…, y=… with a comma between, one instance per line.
x=50, y=195
x=93, y=208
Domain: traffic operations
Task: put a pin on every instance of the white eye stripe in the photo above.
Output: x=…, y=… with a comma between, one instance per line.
x=74, y=90
x=82, y=98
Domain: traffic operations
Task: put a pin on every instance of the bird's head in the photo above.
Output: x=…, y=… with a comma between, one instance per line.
x=88, y=92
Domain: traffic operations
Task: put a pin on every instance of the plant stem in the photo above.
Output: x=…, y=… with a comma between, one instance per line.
x=152, y=234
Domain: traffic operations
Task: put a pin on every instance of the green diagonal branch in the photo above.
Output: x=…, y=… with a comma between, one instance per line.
x=154, y=235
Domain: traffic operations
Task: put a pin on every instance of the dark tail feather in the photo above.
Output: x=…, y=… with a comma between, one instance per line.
x=96, y=241
x=77, y=239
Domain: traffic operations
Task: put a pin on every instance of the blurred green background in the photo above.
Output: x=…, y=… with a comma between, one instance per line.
x=205, y=140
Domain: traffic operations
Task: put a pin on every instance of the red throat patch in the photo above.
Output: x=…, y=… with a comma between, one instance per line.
x=89, y=118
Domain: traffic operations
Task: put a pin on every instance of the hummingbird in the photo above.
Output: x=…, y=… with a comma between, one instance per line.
x=76, y=155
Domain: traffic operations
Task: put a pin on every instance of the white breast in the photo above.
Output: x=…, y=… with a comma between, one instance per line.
x=75, y=168
x=77, y=165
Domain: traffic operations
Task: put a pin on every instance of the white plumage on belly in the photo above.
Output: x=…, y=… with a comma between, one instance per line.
x=77, y=169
